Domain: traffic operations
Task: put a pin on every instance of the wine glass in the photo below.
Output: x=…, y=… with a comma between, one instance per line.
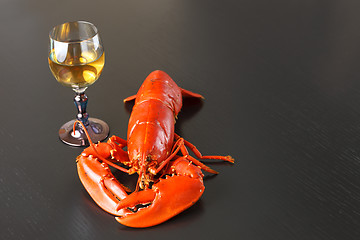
x=76, y=59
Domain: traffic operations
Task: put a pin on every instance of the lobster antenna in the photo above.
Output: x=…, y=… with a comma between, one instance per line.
x=174, y=151
x=93, y=147
x=86, y=132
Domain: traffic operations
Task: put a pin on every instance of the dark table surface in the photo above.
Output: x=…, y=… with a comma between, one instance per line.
x=281, y=82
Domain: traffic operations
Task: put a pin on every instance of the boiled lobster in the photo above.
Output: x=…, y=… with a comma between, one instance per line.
x=170, y=180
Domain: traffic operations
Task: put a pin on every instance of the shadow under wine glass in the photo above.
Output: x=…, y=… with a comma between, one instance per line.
x=76, y=59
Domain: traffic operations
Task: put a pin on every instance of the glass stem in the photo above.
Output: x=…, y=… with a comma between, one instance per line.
x=80, y=101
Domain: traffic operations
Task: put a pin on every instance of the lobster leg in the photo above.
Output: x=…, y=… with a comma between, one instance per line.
x=198, y=153
x=167, y=198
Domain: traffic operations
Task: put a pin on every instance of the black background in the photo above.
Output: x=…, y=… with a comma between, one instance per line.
x=282, y=96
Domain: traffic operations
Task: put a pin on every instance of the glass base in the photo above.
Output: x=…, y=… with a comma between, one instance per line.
x=98, y=130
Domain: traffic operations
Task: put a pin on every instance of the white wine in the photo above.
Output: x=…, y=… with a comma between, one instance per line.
x=77, y=71
x=76, y=59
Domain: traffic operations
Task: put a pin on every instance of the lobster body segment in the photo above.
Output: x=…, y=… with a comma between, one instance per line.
x=170, y=180
x=141, y=133
x=151, y=124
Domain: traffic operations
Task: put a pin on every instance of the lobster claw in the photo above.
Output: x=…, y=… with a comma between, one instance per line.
x=100, y=183
x=167, y=198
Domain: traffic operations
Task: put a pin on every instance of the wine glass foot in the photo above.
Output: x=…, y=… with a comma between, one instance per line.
x=98, y=130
